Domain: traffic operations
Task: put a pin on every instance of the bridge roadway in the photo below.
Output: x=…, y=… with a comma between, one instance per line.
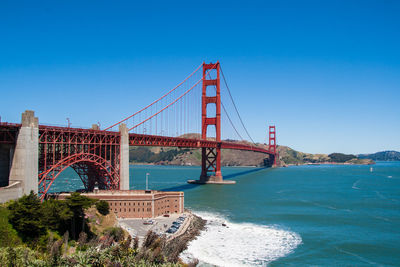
x=99, y=157
x=9, y=131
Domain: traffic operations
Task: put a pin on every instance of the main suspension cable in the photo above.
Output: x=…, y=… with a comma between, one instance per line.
x=227, y=115
x=237, y=111
x=172, y=90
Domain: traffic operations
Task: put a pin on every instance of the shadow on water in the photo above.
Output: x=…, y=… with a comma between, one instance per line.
x=183, y=187
x=236, y=174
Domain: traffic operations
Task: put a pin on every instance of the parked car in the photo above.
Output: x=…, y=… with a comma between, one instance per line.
x=148, y=222
x=176, y=223
x=172, y=230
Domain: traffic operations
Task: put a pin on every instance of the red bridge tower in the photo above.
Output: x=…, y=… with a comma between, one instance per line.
x=211, y=157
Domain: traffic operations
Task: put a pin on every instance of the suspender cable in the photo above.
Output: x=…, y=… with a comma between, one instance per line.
x=229, y=91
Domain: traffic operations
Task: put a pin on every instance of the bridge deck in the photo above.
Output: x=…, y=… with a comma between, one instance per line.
x=8, y=131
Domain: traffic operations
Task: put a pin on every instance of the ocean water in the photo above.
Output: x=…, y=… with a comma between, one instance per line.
x=326, y=215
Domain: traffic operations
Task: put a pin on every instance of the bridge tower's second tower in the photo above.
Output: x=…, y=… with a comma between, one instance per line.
x=211, y=157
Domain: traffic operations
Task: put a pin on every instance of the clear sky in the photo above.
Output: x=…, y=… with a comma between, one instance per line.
x=326, y=73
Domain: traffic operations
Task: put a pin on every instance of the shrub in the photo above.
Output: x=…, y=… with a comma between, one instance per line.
x=116, y=232
x=102, y=207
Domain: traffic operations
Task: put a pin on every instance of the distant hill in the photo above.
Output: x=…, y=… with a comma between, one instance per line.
x=289, y=156
x=185, y=156
x=383, y=155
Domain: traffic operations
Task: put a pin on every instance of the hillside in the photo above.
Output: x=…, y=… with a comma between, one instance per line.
x=291, y=156
x=383, y=155
x=185, y=156
x=178, y=156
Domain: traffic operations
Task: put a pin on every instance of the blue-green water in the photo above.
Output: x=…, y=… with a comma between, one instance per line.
x=323, y=215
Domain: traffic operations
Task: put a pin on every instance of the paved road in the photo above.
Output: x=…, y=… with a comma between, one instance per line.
x=161, y=224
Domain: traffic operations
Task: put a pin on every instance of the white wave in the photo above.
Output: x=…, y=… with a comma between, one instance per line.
x=239, y=244
x=380, y=195
x=355, y=184
x=358, y=256
x=324, y=206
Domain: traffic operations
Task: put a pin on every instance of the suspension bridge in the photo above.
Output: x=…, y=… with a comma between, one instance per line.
x=191, y=115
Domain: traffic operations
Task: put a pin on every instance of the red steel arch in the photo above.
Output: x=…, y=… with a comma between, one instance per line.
x=90, y=167
x=93, y=154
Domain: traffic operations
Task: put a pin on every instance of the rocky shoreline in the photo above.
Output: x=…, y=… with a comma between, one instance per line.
x=178, y=244
x=360, y=162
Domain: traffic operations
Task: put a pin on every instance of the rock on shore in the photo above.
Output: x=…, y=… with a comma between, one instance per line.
x=175, y=246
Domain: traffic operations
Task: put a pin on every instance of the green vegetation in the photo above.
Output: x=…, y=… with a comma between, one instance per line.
x=115, y=232
x=144, y=154
x=37, y=234
x=26, y=217
x=77, y=204
x=56, y=215
x=340, y=158
x=8, y=235
x=102, y=207
x=290, y=156
x=112, y=256
x=35, y=221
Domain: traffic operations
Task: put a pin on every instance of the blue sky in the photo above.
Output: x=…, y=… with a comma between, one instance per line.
x=326, y=73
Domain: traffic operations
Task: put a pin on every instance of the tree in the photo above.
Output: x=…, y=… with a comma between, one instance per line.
x=103, y=207
x=8, y=235
x=26, y=217
x=78, y=203
x=56, y=215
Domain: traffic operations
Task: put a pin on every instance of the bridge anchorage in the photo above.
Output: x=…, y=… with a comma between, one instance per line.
x=32, y=156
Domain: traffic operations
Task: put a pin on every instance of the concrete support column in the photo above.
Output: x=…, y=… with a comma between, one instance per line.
x=152, y=205
x=124, y=158
x=25, y=163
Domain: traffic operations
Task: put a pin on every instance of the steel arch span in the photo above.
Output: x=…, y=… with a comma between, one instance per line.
x=91, y=168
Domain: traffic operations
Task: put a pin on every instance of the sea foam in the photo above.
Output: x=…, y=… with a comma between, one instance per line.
x=239, y=244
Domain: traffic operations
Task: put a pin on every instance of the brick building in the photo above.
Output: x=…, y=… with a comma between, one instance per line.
x=139, y=203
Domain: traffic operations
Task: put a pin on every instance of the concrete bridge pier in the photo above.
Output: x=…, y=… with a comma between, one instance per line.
x=124, y=158
x=24, y=164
